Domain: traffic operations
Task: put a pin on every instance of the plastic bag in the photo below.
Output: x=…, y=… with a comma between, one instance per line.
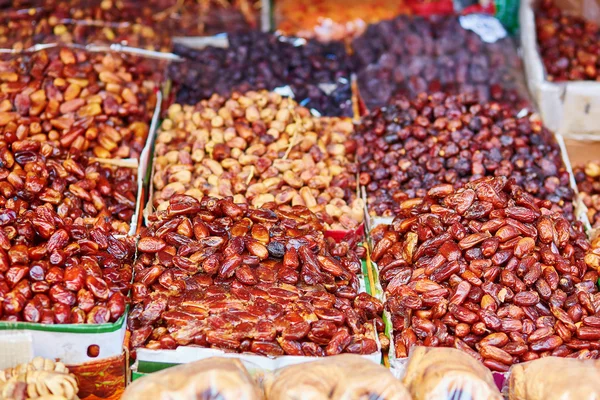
x=444, y=373
x=316, y=75
x=343, y=377
x=554, y=378
x=468, y=54
x=222, y=378
x=328, y=20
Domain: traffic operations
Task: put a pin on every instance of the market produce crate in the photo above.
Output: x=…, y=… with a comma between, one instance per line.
x=568, y=107
x=79, y=343
x=148, y=361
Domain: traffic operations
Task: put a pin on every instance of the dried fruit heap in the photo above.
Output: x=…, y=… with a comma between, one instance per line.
x=318, y=74
x=60, y=209
x=412, y=55
x=408, y=147
x=568, y=44
x=40, y=378
x=216, y=274
x=58, y=270
x=490, y=270
x=149, y=25
x=258, y=148
x=73, y=187
x=99, y=104
x=588, y=183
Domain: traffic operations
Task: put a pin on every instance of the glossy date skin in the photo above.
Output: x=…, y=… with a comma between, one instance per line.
x=406, y=148
x=58, y=270
x=490, y=270
x=217, y=274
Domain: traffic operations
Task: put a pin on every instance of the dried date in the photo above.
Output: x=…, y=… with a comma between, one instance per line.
x=538, y=297
x=273, y=288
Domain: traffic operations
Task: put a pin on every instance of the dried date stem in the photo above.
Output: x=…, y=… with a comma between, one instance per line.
x=217, y=274
x=490, y=270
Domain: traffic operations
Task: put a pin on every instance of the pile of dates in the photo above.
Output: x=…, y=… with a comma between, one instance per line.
x=205, y=18
x=588, y=183
x=96, y=103
x=213, y=273
x=316, y=74
x=568, y=44
x=67, y=23
x=74, y=187
x=57, y=270
x=490, y=270
x=411, y=55
x=259, y=147
x=149, y=25
x=408, y=147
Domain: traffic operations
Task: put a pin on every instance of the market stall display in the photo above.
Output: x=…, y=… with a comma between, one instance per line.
x=314, y=198
x=408, y=147
x=150, y=25
x=490, y=270
x=558, y=39
x=439, y=374
x=99, y=104
x=567, y=44
x=259, y=148
x=328, y=20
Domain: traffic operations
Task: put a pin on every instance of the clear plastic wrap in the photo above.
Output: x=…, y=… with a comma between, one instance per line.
x=554, y=378
x=212, y=378
x=468, y=54
x=342, y=377
x=446, y=373
x=328, y=20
